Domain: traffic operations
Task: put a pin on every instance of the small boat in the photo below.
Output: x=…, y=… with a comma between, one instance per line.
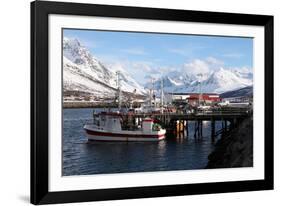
x=108, y=127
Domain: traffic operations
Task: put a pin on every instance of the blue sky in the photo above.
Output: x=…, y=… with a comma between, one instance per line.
x=159, y=52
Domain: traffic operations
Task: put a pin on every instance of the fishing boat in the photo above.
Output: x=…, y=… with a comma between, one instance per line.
x=117, y=126
x=111, y=127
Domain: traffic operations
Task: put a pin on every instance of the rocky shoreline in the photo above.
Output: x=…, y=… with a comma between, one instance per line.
x=234, y=149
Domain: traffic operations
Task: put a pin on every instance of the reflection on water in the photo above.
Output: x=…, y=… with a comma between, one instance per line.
x=176, y=152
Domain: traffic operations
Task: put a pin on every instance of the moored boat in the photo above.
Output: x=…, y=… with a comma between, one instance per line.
x=110, y=127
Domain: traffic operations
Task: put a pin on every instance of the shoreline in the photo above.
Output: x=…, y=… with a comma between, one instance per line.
x=77, y=105
x=234, y=149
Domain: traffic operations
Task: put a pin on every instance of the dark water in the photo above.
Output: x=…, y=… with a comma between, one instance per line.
x=81, y=157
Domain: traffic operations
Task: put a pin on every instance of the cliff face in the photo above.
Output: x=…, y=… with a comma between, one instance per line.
x=235, y=149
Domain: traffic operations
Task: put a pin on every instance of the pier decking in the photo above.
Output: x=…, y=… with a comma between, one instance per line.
x=212, y=114
x=229, y=117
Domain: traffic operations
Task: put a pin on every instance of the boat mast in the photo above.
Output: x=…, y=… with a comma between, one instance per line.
x=119, y=90
x=150, y=94
x=153, y=92
x=200, y=90
x=162, y=96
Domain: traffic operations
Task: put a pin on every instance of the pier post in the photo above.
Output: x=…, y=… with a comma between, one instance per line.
x=201, y=128
x=234, y=123
x=186, y=126
x=168, y=120
x=231, y=126
x=198, y=129
x=180, y=126
x=213, y=130
x=222, y=127
x=195, y=129
x=175, y=125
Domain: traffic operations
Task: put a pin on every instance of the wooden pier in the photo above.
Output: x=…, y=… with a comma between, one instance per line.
x=178, y=122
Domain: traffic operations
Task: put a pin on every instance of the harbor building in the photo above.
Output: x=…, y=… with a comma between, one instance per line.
x=193, y=99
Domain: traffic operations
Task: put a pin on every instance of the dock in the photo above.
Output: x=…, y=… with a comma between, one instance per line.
x=229, y=118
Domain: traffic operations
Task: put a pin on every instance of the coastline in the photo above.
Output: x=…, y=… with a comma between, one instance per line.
x=234, y=149
x=91, y=104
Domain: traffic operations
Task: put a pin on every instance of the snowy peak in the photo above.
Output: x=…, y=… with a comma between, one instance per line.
x=75, y=52
x=244, y=73
x=218, y=81
x=224, y=80
x=181, y=78
x=78, y=54
x=84, y=73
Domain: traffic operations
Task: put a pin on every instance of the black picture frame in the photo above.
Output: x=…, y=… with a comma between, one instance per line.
x=39, y=101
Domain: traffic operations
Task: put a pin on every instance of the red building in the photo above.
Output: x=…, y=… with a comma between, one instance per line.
x=194, y=98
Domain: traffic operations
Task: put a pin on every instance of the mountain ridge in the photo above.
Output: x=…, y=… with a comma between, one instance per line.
x=219, y=81
x=242, y=92
x=84, y=73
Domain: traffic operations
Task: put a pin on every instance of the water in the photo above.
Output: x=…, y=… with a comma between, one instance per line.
x=81, y=157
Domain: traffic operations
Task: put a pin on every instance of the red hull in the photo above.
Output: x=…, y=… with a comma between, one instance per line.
x=107, y=134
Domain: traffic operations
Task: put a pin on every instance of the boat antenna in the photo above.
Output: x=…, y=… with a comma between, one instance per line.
x=150, y=93
x=119, y=90
x=162, y=95
x=153, y=92
x=200, y=90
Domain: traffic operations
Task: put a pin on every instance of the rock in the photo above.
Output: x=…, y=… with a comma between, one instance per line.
x=234, y=149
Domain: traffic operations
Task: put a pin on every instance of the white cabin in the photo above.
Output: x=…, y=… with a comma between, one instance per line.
x=147, y=124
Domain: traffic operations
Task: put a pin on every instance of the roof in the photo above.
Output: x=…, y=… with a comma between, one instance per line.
x=193, y=93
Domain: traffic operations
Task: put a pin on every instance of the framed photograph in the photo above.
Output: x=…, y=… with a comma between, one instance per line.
x=131, y=102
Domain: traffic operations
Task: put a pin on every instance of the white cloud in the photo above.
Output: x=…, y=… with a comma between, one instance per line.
x=139, y=70
x=142, y=66
x=202, y=66
x=214, y=62
x=143, y=71
x=196, y=66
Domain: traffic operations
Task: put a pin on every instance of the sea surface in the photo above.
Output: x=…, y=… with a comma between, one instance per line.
x=176, y=152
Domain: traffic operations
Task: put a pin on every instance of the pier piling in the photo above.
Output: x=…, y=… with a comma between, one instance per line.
x=213, y=130
x=186, y=126
x=180, y=122
x=201, y=128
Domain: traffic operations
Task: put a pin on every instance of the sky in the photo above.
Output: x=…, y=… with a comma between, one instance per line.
x=151, y=54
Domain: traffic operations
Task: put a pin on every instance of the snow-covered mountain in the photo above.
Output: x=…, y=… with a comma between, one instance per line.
x=82, y=72
x=218, y=81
